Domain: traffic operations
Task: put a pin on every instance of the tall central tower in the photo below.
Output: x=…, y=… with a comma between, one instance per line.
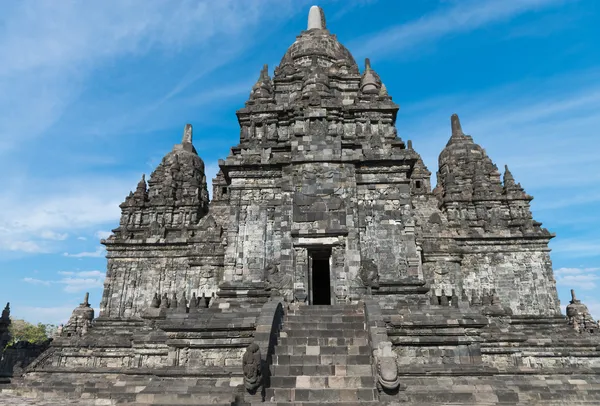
x=319, y=183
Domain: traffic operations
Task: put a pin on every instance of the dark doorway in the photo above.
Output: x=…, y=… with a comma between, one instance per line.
x=321, y=279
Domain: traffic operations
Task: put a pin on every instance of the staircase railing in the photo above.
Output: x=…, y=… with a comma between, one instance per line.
x=266, y=336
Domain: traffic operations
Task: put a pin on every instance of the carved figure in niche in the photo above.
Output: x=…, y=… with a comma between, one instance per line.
x=276, y=282
x=369, y=275
x=164, y=303
x=182, y=305
x=155, y=301
x=252, y=367
x=193, y=302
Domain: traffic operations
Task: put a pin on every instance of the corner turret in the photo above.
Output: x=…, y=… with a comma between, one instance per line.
x=4, y=327
x=81, y=319
x=262, y=91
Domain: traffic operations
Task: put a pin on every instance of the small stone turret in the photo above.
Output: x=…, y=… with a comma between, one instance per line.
x=262, y=91
x=4, y=325
x=81, y=319
x=420, y=178
x=176, y=195
x=579, y=316
x=370, y=82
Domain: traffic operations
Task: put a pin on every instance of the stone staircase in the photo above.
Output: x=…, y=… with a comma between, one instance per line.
x=323, y=356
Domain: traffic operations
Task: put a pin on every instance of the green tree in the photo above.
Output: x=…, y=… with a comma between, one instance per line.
x=21, y=330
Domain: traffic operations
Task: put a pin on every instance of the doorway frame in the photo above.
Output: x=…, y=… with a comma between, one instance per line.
x=319, y=253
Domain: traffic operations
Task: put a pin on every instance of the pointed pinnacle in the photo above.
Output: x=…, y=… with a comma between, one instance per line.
x=264, y=73
x=367, y=65
x=187, y=134
x=509, y=180
x=456, y=127
x=316, y=18
x=383, y=91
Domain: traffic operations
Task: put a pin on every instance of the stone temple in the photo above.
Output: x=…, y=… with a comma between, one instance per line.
x=325, y=269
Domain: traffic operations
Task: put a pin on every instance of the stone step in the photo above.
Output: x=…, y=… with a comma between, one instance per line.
x=321, y=396
x=321, y=370
x=184, y=398
x=336, y=359
x=322, y=350
x=322, y=341
x=327, y=310
x=309, y=318
x=322, y=382
x=320, y=325
x=375, y=402
x=310, y=370
x=325, y=333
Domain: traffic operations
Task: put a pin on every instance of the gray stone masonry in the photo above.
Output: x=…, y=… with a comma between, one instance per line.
x=325, y=270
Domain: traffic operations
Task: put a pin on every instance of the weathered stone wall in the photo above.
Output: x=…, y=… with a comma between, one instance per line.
x=253, y=234
x=522, y=277
x=16, y=357
x=198, y=357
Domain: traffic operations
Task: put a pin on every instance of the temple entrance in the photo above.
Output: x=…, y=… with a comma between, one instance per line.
x=320, y=277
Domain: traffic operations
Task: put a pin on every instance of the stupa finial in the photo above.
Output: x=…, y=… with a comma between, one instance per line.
x=316, y=18
x=456, y=127
x=187, y=134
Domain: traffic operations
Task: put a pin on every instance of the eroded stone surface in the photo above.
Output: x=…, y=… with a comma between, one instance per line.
x=9, y=400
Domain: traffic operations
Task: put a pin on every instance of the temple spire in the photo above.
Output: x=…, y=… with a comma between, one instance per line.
x=509, y=180
x=187, y=134
x=316, y=18
x=456, y=127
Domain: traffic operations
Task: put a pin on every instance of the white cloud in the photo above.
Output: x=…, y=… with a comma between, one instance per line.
x=576, y=247
x=22, y=246
x=51, y=235
x=48, y=315
x=103, y=234
x=35, y=281
x=581, y=278
x=100, y=252
x=81, y=284
x=73, y=281
x=39, y=221
x=463, y=16
x=80, y=238
x=91, y=274
x=50, y=49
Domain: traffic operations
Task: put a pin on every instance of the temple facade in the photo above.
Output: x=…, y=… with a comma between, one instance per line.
x=319, y=185
x=326, y=268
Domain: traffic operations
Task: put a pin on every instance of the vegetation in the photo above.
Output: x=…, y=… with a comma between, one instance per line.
x=21, y=330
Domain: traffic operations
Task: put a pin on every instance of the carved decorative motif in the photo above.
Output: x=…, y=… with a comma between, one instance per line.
x=252, y=367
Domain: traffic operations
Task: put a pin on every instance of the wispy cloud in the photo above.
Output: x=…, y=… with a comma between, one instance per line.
x=460, y=17
x=99, y=252
x=73, y=282
x=49, y=50
x=37, y=219
x=35, y=281
x=581, y=278
x=577, y=247
x=102, y=234
x=51, y=235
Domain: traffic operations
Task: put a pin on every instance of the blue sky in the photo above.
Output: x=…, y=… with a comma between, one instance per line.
x=93, y=94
